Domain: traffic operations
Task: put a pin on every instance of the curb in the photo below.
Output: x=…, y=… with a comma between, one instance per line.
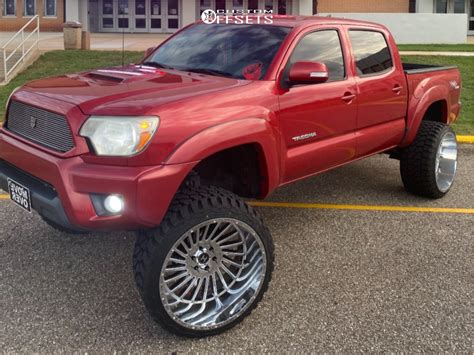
x=466, y=139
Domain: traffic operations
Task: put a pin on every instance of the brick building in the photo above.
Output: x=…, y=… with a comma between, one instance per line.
x=392, y=6
x=169, y=15
x=15, y=13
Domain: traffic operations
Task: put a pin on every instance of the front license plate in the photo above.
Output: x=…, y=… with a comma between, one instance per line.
x=19, y=194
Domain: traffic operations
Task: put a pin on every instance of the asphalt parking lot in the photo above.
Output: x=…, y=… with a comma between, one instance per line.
x=345, y=280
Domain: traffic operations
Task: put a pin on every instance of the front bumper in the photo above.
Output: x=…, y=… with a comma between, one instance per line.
x=61, y=188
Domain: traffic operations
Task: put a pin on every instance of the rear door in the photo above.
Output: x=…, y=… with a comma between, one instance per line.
x=318, y=121
x=382, y=90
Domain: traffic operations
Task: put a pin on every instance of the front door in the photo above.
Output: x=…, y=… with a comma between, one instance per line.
x=115, y=15
x=318, y=121
x=140, y=15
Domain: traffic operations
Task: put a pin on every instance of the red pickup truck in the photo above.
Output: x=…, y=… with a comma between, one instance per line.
x=171, y=146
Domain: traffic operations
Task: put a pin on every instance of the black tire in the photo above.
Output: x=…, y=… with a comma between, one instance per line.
x=418, y=161
x=190, y=207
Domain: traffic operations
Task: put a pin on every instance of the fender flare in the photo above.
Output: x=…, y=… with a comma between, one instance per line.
x=231, y=134
x=417, y=111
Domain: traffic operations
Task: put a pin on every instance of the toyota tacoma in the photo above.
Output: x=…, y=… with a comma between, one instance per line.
x=173, y=146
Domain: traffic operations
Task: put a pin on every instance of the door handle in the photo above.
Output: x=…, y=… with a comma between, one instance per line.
x=397, y=89
x=348, y=97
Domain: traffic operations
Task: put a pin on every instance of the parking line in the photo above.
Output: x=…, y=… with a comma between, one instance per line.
x=466, y=139
x=363, y=207
x=322, y=206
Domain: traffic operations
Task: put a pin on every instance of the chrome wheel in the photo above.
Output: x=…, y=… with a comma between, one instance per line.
x=212, y=274
x=446, y=162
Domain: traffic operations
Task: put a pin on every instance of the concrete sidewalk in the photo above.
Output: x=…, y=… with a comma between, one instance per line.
x=447, y=54
x=50, y=41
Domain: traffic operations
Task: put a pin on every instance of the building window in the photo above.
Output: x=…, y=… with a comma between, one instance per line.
x=268, y=5
x=217, y=5
x=220, y=5
x=204, y=5
x=459, y=7
x=9, y=8
x=30, y=7
x=238, y=4
x=50, y=8
x=253, y=5
x=281, y=7
x=441, y=6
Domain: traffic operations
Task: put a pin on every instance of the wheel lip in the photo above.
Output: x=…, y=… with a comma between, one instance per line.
x=242, y=311
x=445, y=183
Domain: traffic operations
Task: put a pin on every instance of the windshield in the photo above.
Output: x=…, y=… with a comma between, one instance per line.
x=236, y=51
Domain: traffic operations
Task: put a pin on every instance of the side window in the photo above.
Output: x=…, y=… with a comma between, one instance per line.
x=371, y=52
x=324, y=47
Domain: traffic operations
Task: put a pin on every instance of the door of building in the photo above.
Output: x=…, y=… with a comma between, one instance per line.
x=115, y=15
x=281, y=7
x=139, y=15
x=140, y=18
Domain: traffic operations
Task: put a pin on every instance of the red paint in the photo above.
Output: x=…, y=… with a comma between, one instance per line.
x=308, y=73
x=202, y=115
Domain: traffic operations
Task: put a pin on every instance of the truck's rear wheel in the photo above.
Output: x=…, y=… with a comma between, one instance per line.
x=208, y=264
x=428, y=166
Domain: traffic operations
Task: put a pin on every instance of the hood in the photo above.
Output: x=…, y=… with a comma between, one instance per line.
x=130, y=90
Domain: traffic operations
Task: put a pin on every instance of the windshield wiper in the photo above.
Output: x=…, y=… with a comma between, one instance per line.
x=157, y=65
x=209, y=71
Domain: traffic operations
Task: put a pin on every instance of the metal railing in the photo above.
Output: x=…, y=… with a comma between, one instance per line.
x=25, y=37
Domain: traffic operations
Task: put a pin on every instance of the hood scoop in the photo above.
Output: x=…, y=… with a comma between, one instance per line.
x=105, y=77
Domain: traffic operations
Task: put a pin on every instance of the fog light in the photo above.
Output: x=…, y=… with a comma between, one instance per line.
x=114, y=204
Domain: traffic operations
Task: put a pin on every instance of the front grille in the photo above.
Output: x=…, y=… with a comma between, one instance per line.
x=40, y=126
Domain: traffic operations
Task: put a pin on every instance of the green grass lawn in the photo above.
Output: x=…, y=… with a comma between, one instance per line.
x=465, y=123
x=63, y=62
x=437, y=47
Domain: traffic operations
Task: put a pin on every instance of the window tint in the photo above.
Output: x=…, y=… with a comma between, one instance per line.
x=323, y=47
x=238, y=51
x=371, y=52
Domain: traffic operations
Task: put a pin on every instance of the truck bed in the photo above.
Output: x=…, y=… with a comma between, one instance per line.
x=411, y=68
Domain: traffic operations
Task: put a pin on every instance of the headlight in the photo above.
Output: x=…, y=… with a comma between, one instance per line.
x=119, y=135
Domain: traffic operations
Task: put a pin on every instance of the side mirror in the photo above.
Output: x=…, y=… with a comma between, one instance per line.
x=308, y=73
x=149, y=51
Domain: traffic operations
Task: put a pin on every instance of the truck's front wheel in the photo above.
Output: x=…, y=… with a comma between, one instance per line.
x=207, y=265
x=428, y=166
